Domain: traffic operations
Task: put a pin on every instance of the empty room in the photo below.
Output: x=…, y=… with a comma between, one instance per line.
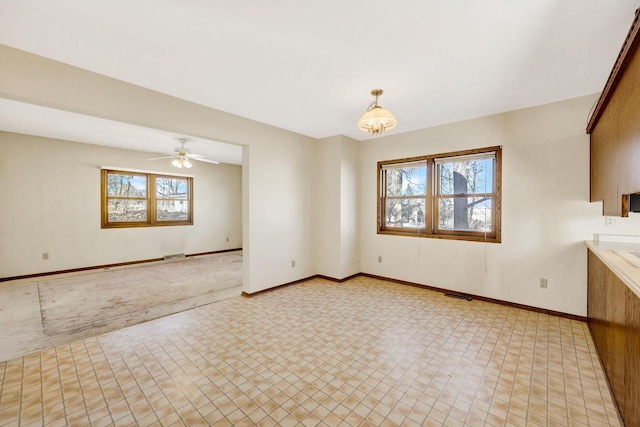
x=319, y=214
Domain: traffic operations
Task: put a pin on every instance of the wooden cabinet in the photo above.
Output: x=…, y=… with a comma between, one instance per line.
x=615, y=131
x=613, y=313
x=604, y=177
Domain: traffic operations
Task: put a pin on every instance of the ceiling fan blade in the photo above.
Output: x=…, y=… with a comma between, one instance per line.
x=200, y=159
x=160, y=158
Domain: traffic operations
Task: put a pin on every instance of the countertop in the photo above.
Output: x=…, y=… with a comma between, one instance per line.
x=627, y=272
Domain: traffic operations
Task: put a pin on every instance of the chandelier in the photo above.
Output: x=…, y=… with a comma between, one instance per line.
x=377, y=120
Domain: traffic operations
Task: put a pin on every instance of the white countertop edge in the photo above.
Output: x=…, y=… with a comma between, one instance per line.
x=626, y=272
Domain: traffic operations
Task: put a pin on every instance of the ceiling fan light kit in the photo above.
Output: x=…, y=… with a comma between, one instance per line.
x=181, y=162
x=377, y=120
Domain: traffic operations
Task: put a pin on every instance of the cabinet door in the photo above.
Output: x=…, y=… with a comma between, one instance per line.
x=632, y=359
x=604, y=162
x=615, y=142
x=627, y=96
x=614, y=319
x=597, y=305
x=616, y=301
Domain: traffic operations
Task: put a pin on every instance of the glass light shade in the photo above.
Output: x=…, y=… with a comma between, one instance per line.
x=377, y=120
x=181, y=162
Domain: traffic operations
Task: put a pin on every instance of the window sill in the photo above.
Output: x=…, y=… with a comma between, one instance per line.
x=145, y=224
x=467, y=237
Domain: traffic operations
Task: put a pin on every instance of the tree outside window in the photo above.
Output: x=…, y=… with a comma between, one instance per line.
x=451, y=195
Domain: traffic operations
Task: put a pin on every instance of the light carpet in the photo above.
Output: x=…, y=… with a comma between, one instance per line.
x=113, y=299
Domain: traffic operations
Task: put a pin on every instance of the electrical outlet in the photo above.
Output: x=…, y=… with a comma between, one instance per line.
x=45, y=255
x=380, y=259
x=293, y=263
x=543, y=283
x=610, y=221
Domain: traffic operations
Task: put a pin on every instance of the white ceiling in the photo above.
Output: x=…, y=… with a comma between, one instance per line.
x=30, y=119
x=309, y=66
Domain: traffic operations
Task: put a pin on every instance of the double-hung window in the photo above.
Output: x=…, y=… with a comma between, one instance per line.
x=450, y=195
x=139, y=199
x=404, y=195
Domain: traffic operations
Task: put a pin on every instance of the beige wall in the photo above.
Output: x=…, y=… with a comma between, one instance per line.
x=277, y=182
x=51, y=190
x=296, y=189
x=349, y=207
x=337, y=207
x=546, y=214
x=327, y=213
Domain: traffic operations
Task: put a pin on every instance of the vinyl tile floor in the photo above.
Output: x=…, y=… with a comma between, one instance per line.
x=363, y=352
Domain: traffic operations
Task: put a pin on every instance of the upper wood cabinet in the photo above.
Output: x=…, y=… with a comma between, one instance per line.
x=615, y=131
x=604, y=160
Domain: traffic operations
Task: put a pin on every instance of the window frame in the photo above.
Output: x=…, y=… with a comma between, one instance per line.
x=383, y=171
x=150, y=199
x=432, y=197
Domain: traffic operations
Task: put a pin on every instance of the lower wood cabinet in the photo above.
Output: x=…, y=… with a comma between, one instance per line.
x=613, y=311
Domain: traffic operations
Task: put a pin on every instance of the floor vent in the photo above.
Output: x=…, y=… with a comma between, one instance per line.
x=173, y=256
x=459, y=296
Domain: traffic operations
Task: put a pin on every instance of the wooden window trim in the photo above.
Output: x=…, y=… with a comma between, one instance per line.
x=151, y=200
x=431, y=215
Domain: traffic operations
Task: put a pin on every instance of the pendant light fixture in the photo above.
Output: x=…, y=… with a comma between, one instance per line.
x=377, y=120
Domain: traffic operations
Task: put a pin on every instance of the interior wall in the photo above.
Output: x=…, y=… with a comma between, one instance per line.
x=280, y=213
x=546, y=214
x=336, y=219
x=349, y=207
x=278, y=197
x=52, y=189
x=327, y=215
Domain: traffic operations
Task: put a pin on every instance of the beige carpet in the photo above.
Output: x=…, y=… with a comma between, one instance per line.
x=112, y=299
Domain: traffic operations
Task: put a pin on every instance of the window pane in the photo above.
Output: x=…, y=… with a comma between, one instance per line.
x=405, y=212
x=465, y=213
x=407, y=181
x=123, y=210
x=173, y=210
x=171, y=188
x=467, y=176
x=122, y=185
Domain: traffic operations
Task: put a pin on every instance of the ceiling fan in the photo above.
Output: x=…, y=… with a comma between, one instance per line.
x=182, y=156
